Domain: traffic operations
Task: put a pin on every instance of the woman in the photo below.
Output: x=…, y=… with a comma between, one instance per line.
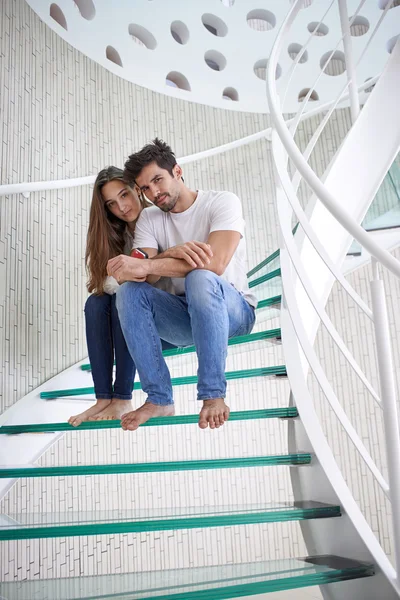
x=114, y=211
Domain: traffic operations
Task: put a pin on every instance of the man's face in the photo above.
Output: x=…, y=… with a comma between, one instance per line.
x=159, y=186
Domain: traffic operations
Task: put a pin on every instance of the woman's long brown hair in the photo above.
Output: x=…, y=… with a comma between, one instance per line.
x=106, y=233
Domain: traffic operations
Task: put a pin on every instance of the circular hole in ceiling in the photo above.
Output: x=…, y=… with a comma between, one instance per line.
x=57, y=14
x=177, y=80
x=336, y=65
x=215, y=60
x=142, y=36
x=214, y=25
x=180, y=32
x=261, y=19
x=318, y=29
x=86, y=8
x=313, y=96
x=230, y=93
x=112, y=54
x=294, y=49
x=260, y=69
x=359, y=26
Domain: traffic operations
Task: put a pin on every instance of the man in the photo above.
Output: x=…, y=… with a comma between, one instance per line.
x=207, y=299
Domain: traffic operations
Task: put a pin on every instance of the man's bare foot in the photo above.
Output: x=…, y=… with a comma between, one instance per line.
x=90, y=412
x=113, y=411
x=132, y=420
x=214, y=413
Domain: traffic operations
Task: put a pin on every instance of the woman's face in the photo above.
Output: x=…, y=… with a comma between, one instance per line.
x=121, y=200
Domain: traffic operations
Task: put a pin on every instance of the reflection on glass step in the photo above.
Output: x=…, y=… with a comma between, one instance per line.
x=35, y=526
x=243, y=374
x=153, y=467
x=240, y=415
x=216, y=582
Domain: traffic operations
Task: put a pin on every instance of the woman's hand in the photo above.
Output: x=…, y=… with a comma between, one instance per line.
x=196, y=254
x=125, y=268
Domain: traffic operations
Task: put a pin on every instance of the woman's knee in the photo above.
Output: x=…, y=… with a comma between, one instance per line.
x=96, y=305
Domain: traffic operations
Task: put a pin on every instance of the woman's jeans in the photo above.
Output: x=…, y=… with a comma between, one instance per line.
x=211, y=312
x=104, y=338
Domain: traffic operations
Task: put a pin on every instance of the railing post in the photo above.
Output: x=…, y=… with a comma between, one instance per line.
x=389, y=402
x=349, y=58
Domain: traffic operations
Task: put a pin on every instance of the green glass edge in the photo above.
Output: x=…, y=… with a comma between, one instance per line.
x=269, y=301
x=267, y=277
x=182, y=465
x=220, y=520
x=264, y=263
x=269, y=258
x=243, y=415
x=260, y=372
x=253, y=589
x=239, y=590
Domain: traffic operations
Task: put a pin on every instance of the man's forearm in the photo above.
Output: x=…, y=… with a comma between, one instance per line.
x=167, y=267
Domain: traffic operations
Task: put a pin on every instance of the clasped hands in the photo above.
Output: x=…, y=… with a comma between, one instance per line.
x=126, y=268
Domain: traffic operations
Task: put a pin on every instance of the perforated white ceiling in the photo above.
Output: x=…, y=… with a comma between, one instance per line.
x=215, y=51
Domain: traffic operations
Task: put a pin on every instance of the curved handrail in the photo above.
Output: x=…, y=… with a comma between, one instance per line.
x=327, y=198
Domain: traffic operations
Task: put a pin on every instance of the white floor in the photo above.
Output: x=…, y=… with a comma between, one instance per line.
x=308, y=593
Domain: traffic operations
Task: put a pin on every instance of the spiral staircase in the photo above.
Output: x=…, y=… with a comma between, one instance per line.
x=344, y=557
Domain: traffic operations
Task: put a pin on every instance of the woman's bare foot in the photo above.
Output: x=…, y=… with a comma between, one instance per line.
x=89, y=413
x=113, y=411
x=131, y=421
x=214, y=413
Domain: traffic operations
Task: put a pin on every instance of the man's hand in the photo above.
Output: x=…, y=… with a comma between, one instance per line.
x=125, y=268
x=196, y=254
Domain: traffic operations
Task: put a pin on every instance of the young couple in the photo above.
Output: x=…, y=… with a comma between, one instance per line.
x=192, y=288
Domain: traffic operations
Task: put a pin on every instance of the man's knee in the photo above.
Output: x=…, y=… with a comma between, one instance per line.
x=129, y=293
x=200, y=283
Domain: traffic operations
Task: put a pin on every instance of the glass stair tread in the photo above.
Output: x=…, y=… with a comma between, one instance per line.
x=263, y=278
x=192, y=379
x=240, y=339
x=35, y=526
x=7, y=472
x=199, y=583
x=270, y=260
x=244, y=415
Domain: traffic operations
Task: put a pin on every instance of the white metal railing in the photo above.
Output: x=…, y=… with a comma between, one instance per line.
x=304, y=301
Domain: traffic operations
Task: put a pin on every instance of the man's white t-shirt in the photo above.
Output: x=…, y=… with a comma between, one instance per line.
x=211, y=211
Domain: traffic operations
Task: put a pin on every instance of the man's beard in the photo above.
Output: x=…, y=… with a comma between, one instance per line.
x=168, y=204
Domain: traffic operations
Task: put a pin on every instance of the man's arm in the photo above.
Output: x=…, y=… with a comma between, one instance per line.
x=222, y=244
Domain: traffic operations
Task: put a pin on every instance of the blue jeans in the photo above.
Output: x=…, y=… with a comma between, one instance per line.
x=104, y=337
x=211, y=311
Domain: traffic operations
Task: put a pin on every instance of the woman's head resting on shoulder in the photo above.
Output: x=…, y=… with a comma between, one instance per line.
x=114, y=211
x=115, y=198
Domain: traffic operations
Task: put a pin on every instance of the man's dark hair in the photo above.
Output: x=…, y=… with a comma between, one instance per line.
x=158, y=152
